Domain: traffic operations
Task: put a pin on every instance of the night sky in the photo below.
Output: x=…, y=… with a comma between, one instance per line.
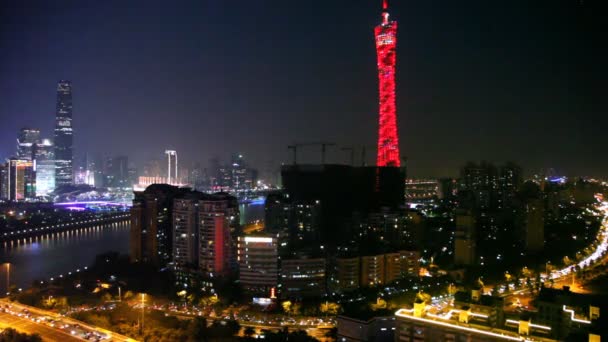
x=493, y=80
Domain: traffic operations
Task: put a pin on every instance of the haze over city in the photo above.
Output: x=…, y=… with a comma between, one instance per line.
x=512, y=81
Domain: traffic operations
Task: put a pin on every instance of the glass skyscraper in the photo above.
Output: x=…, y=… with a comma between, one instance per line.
x=63, y=135
x=26, y=143
x=45, y=168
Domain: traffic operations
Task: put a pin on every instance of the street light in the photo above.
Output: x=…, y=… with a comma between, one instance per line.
x=8, y=277
x=143, y=303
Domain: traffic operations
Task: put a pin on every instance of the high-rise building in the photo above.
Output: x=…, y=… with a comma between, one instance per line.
x=535, y=225
x=510, y=180
x=45, y=168
x=151, y=238
x=258, y=263
x=386, y=43
x=21, y=177
x=26, y=143
x=64, y=135
x=172, y=175
x=346, y=275
x=117, y=172
x=303, y=277
x=323, y=199
x=372, y=270
x=186, y=231
x=480, y=181
x=3, y=181
x=465, y=239
x=219, y=229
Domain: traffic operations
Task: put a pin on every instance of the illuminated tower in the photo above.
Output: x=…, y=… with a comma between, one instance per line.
x=386, y=41
x=63, y=134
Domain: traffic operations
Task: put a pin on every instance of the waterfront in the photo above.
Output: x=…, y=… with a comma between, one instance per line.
x=50, y=255
x=53, y=254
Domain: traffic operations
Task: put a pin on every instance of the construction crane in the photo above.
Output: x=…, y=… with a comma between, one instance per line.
x=323, y=145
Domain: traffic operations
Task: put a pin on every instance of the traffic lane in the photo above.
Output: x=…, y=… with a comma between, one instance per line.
x=16, y=306
x=25, y=325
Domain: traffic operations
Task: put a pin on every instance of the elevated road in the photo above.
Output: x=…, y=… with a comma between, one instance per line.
x=50, y=325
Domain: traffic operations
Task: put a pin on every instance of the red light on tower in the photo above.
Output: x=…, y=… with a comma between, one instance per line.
x=386, y=42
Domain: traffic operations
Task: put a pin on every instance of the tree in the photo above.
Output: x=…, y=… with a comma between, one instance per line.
x=12, y=335
x=249, y=331
x=379, y=304
x=329, y=308
x=286, y=306
x=197, y=329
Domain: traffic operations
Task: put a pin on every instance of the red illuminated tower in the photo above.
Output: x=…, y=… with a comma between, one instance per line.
x=386, y=41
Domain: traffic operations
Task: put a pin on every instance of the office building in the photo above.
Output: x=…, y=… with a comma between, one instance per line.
x=480, y=182
x=421, y=190
x=258, y=264
x=364, y=328
x=117, y=172
x=235, y=176
x=21, y=180
x=4, y=181
x=303, y=277
x=45, y=168
x=346, y=275
x=400, y=265
x=63, y=135
x=26, y=143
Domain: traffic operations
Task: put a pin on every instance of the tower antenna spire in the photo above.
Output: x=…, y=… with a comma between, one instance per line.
x=385, y=4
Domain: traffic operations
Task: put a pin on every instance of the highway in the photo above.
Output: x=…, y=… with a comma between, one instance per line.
x=597, y=254
x=25, y=325
x=52, y=326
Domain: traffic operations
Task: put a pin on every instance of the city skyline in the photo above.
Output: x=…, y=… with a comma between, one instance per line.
x=454, y=105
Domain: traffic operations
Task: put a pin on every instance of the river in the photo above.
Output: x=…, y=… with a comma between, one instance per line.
x=52, y=255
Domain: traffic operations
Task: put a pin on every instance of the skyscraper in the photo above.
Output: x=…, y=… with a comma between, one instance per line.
x=45, y=168
x=21, y=180
x=26, y=143
x=63, y=134
x=386, y=42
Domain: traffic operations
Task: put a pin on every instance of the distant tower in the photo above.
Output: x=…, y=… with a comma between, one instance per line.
x=386, y=41
x=171, y=153
x=63, y=135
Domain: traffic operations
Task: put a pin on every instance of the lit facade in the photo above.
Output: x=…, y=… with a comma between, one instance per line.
x=151, y=238
x=386, y=42
x=219, y=225
x=21, y=177
x=258, y=263
x=45, y=168
x=303, y=277
x=63, y=135
x=26, y=143
x=185, y=232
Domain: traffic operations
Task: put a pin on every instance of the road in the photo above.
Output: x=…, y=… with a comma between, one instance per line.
x=50, y=325
x=25, y=325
